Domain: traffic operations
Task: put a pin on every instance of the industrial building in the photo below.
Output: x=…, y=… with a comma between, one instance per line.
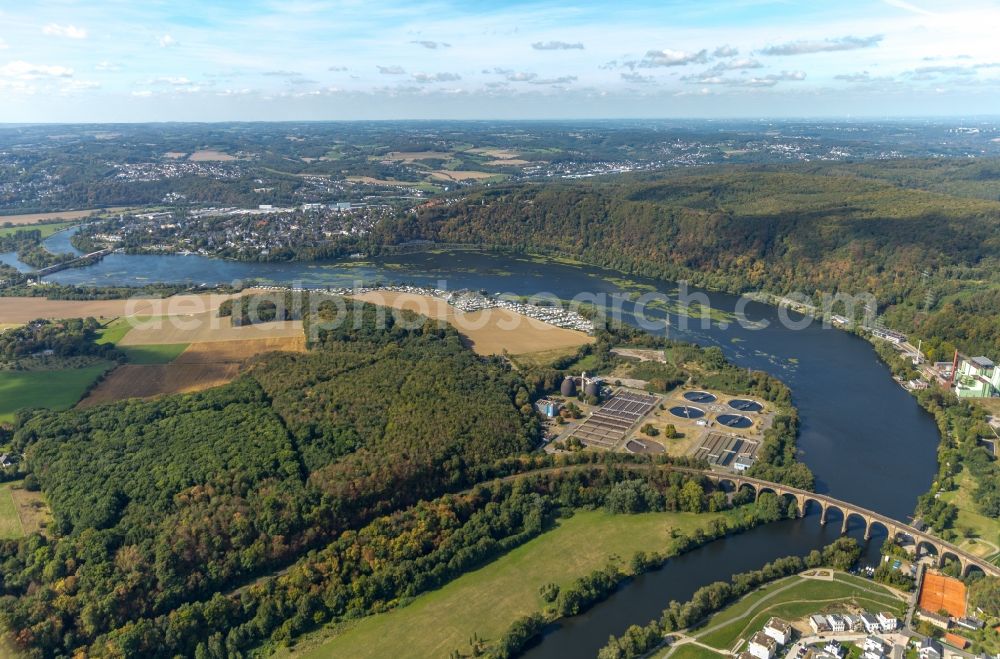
x=977, y=377
x=572, y=385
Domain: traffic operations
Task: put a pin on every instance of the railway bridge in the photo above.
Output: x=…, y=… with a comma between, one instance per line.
x=944, y=550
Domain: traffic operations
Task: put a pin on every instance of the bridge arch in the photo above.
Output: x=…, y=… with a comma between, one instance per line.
x=971, y=568
x=848, y=514
x=924, y=543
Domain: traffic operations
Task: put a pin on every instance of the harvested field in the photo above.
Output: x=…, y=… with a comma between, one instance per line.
x=25, y=309
x=509, y=162
x=238, y=351
x=370, y=180
x=412, y=156
x=146, y=381
x=201, y=366
x=204, y=327
x=174, y=155
x=210, y=155
x=942, y=593
x=458, y=175
x=501, y=154
x=34, y=218
x=490, y=331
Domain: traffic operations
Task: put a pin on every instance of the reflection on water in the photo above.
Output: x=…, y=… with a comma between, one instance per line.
x=865, y=438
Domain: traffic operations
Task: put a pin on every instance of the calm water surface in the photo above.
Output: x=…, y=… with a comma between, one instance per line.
x=865, y=438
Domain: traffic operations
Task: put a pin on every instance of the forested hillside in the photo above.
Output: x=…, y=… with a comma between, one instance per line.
x=814, y=229
x=158, y=503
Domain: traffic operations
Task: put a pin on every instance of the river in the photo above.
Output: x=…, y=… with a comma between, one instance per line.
x=864, y=438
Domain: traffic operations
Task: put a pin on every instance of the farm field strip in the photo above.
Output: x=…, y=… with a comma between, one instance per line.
x=60, y=389
x=34, y=218
x=184, y=368
x=26, y=309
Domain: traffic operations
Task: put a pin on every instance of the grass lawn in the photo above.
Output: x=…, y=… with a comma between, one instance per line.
x=985, y=531
x=487, y=600
x=543, y=357
x=691, y=651
x=55, y=390
x=792, y=598
x=46, y=229
x=10, y=523
x=114, y=331
x=154, y=354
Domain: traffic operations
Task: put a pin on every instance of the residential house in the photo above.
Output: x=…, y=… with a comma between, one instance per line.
x=779, y=630
x=936, y=619
x=762, y=646
x=888, y=621
x=819, y=624
x=969, y=622
x=835, y=649
x=870, y=623
x=852, y=622
x=874, y=644
x=930, y=649
x=836, y=622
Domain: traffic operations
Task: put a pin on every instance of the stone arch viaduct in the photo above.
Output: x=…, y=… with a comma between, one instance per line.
x=943, y=550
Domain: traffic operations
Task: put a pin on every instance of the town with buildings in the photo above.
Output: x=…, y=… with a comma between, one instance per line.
x=859, y=632
x=267, y=232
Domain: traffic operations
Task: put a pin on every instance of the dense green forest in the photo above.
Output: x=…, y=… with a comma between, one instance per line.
x=160, y=502
x=815, y=229
x=159, y=506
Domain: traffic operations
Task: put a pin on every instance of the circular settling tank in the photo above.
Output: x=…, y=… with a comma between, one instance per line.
x=687, y=412
x=645, y=446
x=699, y=397
x=744, y=405
x=734, y=421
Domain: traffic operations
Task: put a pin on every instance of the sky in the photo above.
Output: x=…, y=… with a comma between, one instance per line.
x=247, y=60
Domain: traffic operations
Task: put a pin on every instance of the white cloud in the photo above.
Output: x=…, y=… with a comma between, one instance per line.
x=175, y=81
x=26, y=71
x=432, y=45
x=145, y=93
x=3, y=45
x=436, y=77
x=637, y=77
x=167, y=41
x=725, y=51
x=823, y=46
x=394, y=70
x=105, y=65
x=901, y=4
x=561, y=80
x=556, y=45
x=520, y=76
x=67, y=31
x=668, y=57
